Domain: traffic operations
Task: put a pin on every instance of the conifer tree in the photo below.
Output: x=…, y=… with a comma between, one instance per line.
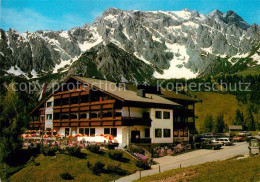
x=11, y=122
x=220, y=124
x=208, y=124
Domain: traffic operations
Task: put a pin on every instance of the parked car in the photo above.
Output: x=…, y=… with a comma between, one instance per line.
x=245, y=133
x=240, y=138
x=208, y=144
x=223, y=141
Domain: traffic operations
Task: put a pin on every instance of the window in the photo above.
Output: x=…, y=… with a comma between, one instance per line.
x=181, y=133
x=92, y=131
x=118, y=114
x=94, y=115
x=49, y=104
x=67, y=131
x=166, y=133
x=83, y=116
x=158, y=114
x=166, y=115
x=73, y=116
x=65, y=116
x=158, y=133
x=186, y=133
x=107, y=114
x=83, y=98
x=178, y=119
x=49, y=116
x=87, y=131
x=56, y=116
x=147, y=132
x=74, y=100
x=65, y=101
x=81, y=131
x=146, y=115
x=114, y=132
x=106, y=130
x=57, y=102
x=176, y=133
x=190, y=119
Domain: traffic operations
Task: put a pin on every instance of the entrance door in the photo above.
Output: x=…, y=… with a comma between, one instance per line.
x=67, y=131
x=135, y=136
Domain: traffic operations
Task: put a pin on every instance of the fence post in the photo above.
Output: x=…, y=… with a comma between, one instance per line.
x=180, y=165
x=159, y=169
x=140, y=174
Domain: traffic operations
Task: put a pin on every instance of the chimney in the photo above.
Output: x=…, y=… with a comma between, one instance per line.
x=141, y=92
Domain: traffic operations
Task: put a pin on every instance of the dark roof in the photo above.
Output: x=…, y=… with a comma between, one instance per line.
x=129, y=94
x=177, y=96
x=125, y=94
x=235, y=127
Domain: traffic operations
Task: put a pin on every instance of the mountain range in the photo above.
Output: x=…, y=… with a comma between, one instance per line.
x=136, y=46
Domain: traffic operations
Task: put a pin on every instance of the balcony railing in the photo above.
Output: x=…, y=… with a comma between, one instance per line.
x=183, y=125
x=131, y=121
x=184, y=112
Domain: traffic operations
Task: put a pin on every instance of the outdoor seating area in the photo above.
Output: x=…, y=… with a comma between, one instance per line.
x=53, y=138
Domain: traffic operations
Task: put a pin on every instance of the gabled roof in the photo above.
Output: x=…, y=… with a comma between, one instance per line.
x=124, y=94
x=117, y=92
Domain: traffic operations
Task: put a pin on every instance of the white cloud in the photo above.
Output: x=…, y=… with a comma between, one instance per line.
x=25, y=20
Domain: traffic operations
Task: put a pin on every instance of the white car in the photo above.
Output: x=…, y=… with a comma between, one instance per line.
x=246, y=133
x=223, y=141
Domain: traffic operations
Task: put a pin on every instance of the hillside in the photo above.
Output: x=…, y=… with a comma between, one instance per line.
x=227, y=170
x=50, y=168
x=215, y=103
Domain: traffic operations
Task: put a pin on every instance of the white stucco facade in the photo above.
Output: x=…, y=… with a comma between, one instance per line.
x=49, y=111
x=161, y=124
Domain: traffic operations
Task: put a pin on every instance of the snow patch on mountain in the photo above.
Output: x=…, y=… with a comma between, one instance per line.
x=177, y=67
x=88, y=45
x=16, y=71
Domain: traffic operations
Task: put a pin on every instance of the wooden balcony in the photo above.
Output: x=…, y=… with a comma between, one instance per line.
x=36, y=124
x=107, y=104
x=184, y=112
x=82, y=91
x=183, y=125
x=141, y=121
x=107, y=121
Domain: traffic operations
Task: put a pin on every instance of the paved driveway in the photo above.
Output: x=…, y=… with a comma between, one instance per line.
x=190, y=158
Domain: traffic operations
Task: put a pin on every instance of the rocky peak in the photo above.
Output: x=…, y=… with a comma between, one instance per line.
x=176, y=43
x=231, y=17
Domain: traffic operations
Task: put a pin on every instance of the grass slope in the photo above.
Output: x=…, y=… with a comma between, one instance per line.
x=228, y=170
x=215, y=103
x=50, y=168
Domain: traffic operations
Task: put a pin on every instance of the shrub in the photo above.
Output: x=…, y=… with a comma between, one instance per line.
x=116, y=169
x=75, y=151
x=98, y=167
x=135, y=149
x=34, y=150
x=143, y=164
x=117, y=155
x=61, y=150
x=93, y=148
x=48, y=151
x=89, y=165
x=66, y=176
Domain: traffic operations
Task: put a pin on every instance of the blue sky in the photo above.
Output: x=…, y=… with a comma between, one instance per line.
x=33, y=15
